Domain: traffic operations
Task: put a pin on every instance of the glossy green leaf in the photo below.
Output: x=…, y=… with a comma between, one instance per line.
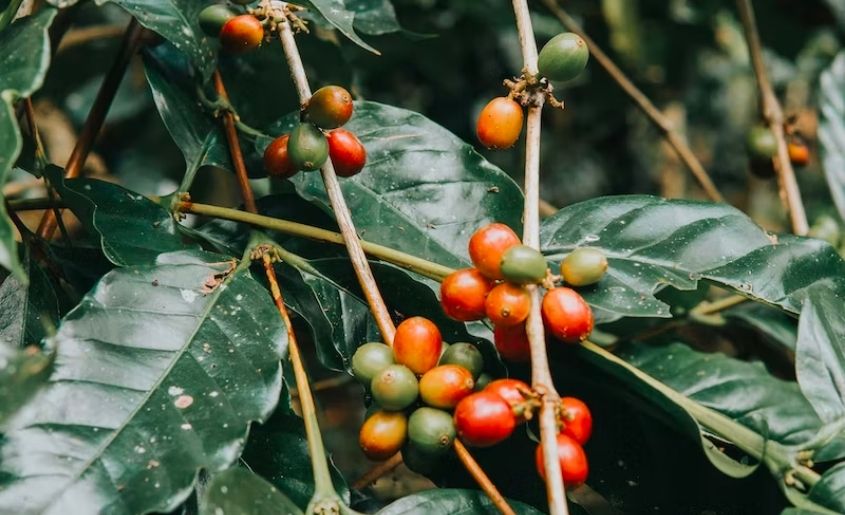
x=196, y=133
x=832, y=129
x=278, y=450
x=423, y=190
x=131, y=228
x=242, y=492
x=820, y=357
x=652, y=242
x=447, y=501
x=23, y=372
x=178, y=22
x=24, y=59
x=164, y=367
x=374, y=16
x=830, y=490
x=342, y=18
x=28, y=312
x=776, y=326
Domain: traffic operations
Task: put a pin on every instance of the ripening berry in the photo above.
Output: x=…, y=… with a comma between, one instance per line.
x=329, y=107
x=563, y=57
x=567, y=315
x=307, y=147
x=508, y=304
x=347, y=153
x=462, y=294
x=522, y=264
x=484, y=419
x=417, y=344
x=500, y=123
x=573, y=461
x=241, y=34
x=583, y=266
x=276, y=160
x=383, y=434
x=512, y=342
x=488, y=245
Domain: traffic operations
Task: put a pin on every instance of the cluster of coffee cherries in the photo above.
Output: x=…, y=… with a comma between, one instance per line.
x=237, y=32
x=762, y=147
x=495, y=289
x=427, y=392
x=317, y=137
x=561, y=59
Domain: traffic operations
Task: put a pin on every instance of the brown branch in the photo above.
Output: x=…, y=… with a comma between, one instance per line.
x=84, y=35
x=131, y=41
x=377, y=471
x=481, y=478
x=541, y=377
x=235, y=147
x=772, y=113
x=646, y=106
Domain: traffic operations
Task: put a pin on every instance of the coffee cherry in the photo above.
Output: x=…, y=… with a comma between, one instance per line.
x=577, y=419
x=499, y=123
x=483, y=380
x=484, y=419
x=395, y=388
x=417, y=344
x=567, y=315
x=573, y=461
x=329, y=107
x=508, y=304
x=512, y=342
x=464, y=355
x=307, y=147
x=418, y=460
x=799, y=153
x=583, y=266
x=369, y=360
x=761, y=142
x=276, y=160
x=383, y=434
x=241, y=34
x=511, y=391
x=488, y=245
x=523, y=265
x=445, y=385
x=347, y=152
x=432, y=431
x=462, y=294
x=563, y=57
x=213, y=17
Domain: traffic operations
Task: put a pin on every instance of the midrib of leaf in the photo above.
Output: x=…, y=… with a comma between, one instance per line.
x=165, y=374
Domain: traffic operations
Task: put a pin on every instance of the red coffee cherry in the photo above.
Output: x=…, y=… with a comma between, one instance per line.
x=347, y=153
x=508, y=304
x=567, y=315
x=462, y=294
x=512, y=342
x=573, y=461
x=511, y=391
x=329, y=107
x=484, y=419
x=799, y=153
x=487, y=246
x=445, y=385
x=276, y=159
x=500, y=123
x=577, y=419
x=417, y=344
x=241, y=34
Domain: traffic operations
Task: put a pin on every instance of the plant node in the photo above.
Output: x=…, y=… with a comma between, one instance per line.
x=532, y=91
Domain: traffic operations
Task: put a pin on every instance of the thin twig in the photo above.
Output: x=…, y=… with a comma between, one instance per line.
x=131, y=41
x=341, y=211
x=642, y=101
x=541, y=377
x=716, y=306
x=235, y=147
x=484, y=482
x=772, y=113
x=84, y=35
x=377, y=471
x=40, y=153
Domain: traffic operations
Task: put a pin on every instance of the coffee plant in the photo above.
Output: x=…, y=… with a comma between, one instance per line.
x=225, y=293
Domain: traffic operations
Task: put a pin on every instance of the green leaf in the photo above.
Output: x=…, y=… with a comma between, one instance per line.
x=339, y=16
x=743, y=391
x=820, y=357
x=776, y=326
x=22, y=373
x=132, y=229
x=178, y=22
x=448, y=501
x=196, y=133
x=278, y=450
x=374, y=17
x=832, y=129
x=159, y=372
x=239, y=491
x=652, y=242
x=423, y=190
x=24, y=59
x=28, y=312
x=830, y=490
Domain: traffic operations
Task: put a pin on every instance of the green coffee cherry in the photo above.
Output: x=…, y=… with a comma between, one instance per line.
x=307, y=147
x=369, y=360
x=584, y=266
x=563, y=57
x=213, y=17
x=418, y=460
x=464, y=355
x=483, y=380
x=761, y=142
x=395, y=388
x=523, y=265
x=432, y=431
